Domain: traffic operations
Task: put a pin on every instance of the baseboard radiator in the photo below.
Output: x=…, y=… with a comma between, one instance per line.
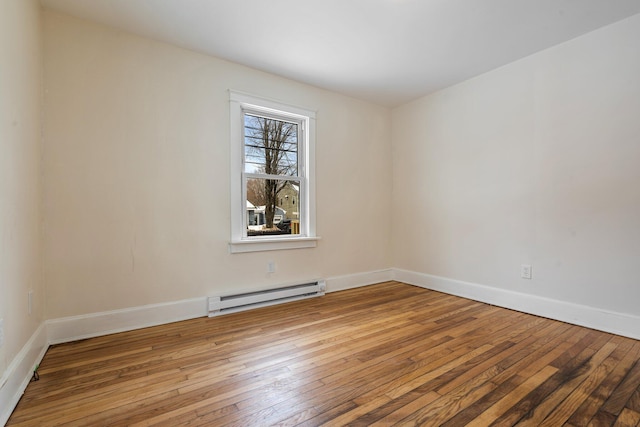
x=234, y=303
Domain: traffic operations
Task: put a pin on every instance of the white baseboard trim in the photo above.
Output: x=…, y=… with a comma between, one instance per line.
x=55, y=331
x=350, y=281
x=74, y=328
x=109, y=322
x=623, y=324
x=20, y=370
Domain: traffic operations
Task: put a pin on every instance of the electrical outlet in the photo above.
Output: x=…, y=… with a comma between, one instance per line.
x=271, y=267
x=1, y=332
x=525, y=271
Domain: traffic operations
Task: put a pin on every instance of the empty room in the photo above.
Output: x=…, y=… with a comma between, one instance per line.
x=304, y=212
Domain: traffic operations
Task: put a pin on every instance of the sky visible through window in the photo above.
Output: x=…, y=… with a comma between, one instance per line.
x=270, y=146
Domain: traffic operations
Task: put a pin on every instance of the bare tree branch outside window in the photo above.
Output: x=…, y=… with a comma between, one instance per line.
x=271, y=148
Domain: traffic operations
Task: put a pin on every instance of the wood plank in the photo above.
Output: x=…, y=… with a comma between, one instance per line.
x=516, y=373
x=384, y=354
x=625, y=390
x=623, y=362
x=627, y=418
x=504, y=404
x=467, y=387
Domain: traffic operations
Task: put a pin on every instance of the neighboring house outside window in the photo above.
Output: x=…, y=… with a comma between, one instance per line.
x=272, y=167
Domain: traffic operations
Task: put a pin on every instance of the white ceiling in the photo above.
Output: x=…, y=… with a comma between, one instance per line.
x=385, y=51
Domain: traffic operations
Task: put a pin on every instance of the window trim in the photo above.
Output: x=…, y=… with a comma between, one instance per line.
x=239, y=102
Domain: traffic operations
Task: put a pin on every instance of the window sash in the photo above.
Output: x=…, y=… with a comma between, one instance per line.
x=299, y=177
x=287, y=146
x=297, y=204
x=279, y=116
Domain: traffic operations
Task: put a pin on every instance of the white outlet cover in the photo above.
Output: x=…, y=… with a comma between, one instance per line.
x=271, y=267
x=525, y=271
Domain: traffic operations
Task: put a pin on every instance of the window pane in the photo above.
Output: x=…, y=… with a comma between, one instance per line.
x=270, y=146
x=272, y=207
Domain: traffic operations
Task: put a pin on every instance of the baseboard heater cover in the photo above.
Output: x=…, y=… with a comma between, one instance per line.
x=233, y=303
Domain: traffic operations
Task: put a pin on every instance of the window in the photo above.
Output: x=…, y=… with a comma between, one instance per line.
x=272, y=167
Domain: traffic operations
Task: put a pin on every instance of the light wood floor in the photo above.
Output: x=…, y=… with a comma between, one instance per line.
x=380, y=355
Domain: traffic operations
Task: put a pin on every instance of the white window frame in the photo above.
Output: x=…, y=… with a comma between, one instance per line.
x=239, y=103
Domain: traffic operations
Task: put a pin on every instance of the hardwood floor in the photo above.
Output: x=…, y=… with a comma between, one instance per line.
x=381, y=355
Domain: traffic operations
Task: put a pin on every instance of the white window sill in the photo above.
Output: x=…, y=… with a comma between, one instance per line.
x=259, y=245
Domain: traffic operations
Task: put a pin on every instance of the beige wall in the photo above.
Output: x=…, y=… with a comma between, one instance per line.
x=20, y=96
x=532, y=163
x=137, y=174
x=537, y=162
